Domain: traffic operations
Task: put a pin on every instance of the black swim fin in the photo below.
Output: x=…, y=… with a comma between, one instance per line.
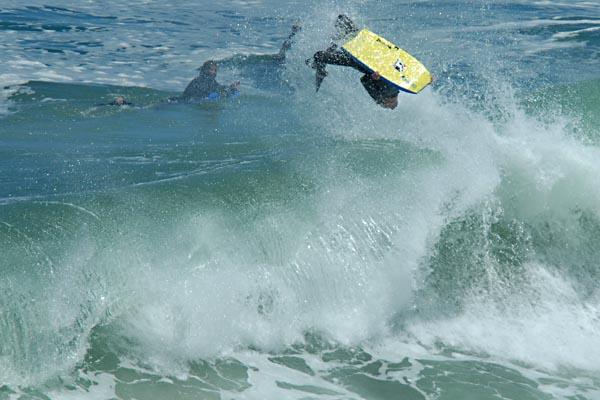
x=345, y=26
x=320, y=75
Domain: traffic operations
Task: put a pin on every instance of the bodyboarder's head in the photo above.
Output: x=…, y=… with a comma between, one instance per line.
x=387, y=97
x=389, y=102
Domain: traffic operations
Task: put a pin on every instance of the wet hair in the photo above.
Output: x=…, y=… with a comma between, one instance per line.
x=379, y=90
x=207, y=65
x=119, y=101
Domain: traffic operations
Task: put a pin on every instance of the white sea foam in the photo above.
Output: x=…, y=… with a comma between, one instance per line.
x=587, y=5
x=533, y=48
x=348, y=268
x=573, y=34
x=265, y=375
x=529, y=24
x=103, y=387
x=8, y=86
x=548, y=326
x=351, y=269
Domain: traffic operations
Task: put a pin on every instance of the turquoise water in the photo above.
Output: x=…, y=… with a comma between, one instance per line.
x=293, y=245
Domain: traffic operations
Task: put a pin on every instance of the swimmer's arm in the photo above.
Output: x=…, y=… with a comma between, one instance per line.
x=232, y=89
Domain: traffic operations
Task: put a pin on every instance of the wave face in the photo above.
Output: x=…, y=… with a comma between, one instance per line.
x=287, y=244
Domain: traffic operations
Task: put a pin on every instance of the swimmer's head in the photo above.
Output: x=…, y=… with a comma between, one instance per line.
x=209, y=68
x=119, y=101
x=388, y=97
x=389, y=102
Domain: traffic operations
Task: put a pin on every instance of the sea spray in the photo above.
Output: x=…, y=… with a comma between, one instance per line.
x=291, y=243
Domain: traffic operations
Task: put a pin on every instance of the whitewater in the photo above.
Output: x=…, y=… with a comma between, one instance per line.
x=287, y=244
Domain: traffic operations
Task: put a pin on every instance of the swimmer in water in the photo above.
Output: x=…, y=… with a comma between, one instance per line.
x=206, y=87
x=120, y=101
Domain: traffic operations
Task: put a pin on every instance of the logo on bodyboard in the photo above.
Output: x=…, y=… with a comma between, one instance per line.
x=399, y=66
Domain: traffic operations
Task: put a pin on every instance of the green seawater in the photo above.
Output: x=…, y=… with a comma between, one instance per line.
x=287, y=244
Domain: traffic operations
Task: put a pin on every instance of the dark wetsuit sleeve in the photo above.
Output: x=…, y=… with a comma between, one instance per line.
x=196, y=88
x=224, y=90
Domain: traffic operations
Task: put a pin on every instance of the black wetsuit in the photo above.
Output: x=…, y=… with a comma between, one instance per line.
x=206, y=87
x=378, y=89
x=116, y=103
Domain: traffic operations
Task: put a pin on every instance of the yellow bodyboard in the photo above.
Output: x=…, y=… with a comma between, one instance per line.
x=393, y=64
